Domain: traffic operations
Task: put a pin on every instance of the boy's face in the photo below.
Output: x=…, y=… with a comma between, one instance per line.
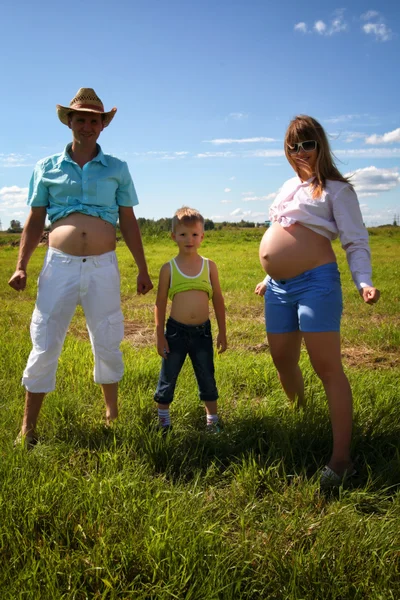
x=188, y=237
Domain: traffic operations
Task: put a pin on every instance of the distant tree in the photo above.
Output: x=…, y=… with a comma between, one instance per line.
x=208, y=225
x=15, y=226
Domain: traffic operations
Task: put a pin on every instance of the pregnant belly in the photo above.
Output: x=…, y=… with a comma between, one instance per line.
x=289, y=251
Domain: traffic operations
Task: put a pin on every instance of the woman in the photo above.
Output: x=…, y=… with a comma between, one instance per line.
x=303, y=297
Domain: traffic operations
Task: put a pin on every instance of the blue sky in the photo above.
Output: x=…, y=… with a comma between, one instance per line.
x=204, y=91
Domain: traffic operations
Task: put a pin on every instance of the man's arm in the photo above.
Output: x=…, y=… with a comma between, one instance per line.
x=219, y=308
x=30, y=238
x=131, y=234
x=160, y=310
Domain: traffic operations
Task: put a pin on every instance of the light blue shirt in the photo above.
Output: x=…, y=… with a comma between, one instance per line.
x=97, y=189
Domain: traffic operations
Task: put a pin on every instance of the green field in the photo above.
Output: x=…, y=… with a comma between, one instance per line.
x=123, y=513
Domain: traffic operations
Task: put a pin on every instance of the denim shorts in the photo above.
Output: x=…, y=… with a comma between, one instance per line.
x=183, y=340
x=310, y=302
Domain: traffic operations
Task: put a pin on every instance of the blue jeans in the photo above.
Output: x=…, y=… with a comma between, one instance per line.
x=195, y=341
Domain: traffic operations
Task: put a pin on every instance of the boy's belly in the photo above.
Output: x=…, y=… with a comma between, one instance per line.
x=82, y=235
x=190, y=308
x=289, y=251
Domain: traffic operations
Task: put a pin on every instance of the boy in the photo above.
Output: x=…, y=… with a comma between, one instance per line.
x=189, y=280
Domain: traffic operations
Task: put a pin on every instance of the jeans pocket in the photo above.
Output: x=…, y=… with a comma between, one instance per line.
x=39, y=331
x=171, y=332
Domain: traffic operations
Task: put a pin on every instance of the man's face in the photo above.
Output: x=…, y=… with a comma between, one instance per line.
x=86, y=127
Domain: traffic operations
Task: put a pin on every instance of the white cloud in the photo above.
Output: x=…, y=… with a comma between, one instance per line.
x=370, y=14
x=162, y=154
x=215, y=155
x=344, y=118
x=236, y=212
x=246, y=215
x=336, y=25
x=237, y=116
x=352, y=136
x=232, y=178
x=387, y=138
x=268, y=198
x=371, y=180
x=376, y=26
x=13, y=197
x=16, y=160
x=265, y=153
x=301, y=27
x=379, y=30
x=254, y=140
x=226, y=201
x=370, y=152
x=226, y=190
x=320, y=27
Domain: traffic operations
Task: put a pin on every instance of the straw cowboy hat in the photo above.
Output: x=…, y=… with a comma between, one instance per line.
x=86, y=100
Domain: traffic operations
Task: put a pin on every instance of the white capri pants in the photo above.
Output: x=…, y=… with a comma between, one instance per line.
x=64, y=282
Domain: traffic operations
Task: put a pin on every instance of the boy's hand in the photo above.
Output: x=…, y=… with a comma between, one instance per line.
x=221, y=343
x=162, y=347
x=260, y=289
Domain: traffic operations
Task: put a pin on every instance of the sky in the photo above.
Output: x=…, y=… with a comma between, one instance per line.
x=205, y=90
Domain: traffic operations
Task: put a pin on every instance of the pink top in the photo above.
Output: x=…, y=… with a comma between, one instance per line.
x=336, y=213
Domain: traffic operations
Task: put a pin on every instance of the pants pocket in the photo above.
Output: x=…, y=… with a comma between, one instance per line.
x=39, y=330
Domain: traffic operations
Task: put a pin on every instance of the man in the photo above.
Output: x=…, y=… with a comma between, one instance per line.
x=83, y=192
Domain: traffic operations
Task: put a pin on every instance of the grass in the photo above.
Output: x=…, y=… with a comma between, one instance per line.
x=125, y=513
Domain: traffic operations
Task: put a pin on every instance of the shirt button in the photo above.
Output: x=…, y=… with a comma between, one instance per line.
x=83, y=259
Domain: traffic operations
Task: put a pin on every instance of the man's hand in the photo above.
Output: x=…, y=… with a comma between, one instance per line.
x=144, y=284
x=260, y=289
x=221, y=343
x=18, y=280
x=370, y=295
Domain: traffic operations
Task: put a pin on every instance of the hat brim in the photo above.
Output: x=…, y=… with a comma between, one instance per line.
x=64, y=111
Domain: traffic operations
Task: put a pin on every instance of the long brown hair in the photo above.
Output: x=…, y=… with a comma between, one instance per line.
x=303, y=128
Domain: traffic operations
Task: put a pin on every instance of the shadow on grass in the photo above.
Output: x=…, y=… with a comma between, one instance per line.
x=299, y=442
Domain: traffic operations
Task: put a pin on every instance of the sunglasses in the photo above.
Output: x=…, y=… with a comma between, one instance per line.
x=306, y=146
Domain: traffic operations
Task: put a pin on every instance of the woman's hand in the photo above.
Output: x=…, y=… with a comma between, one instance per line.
x=260, y=288
x=370, y=295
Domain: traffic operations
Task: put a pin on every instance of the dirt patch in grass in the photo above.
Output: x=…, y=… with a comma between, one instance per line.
x=361, y=356
x=138, y=334
x=353, y=356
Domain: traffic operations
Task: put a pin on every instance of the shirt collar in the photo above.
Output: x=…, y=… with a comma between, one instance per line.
x=306, y=182
x=98, y=158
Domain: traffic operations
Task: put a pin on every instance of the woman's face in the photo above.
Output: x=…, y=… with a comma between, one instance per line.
x=303, y=157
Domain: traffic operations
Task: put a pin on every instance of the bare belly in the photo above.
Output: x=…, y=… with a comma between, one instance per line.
x=191, y=307
x=289, y=251
x=82, y=235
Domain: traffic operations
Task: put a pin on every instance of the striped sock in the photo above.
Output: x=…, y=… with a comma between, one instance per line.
x=164, y=418
x=212, y=420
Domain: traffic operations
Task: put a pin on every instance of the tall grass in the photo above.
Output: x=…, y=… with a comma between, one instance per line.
x=125, y=513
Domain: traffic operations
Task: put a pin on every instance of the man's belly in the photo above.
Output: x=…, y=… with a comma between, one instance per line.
x=82, y=235
x=289, y=251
